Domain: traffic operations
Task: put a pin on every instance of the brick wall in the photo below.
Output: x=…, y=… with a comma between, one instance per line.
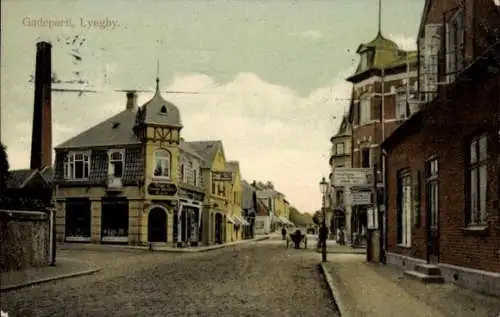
x=444, y=131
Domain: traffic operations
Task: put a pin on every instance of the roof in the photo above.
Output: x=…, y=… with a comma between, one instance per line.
x=160, y=111
x=386, y=54
x=20, y=178
x=247, y=196
x=233, y=166
x=187, y=148
x=207, y=150
x=117, y=130
x=262, y=210
x=344, y=128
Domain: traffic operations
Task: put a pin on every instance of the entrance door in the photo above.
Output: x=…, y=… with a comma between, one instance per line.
x=157, y=225
x=432, y=223
x=218, y=228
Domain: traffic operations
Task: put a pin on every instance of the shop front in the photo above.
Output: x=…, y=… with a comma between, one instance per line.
x=188, y=228
x=77, y=220
x=114, y=220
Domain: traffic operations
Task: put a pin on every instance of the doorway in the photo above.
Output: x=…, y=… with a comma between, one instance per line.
x=432, y=207
x=157, y=225
x=218, y=228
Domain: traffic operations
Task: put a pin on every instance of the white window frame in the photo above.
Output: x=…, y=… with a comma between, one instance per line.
x=70, y=164
x=365, y=110
x=406, y=209
x=455, y=40
x=401, y=104
x=165, y=157
x=195, y=174
x=478, y=181
x=111, y=160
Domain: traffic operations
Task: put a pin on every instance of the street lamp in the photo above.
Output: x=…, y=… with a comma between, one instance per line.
x=323, y=185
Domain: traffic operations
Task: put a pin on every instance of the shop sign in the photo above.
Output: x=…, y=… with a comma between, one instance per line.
x=162, y=189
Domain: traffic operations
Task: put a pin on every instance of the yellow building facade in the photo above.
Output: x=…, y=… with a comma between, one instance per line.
x=119, y=181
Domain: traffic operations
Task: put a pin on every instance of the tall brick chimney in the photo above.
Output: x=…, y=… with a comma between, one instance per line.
x=41, y=136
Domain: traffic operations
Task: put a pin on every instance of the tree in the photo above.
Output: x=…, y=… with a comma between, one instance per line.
x=317, y=216
x=298, y=218
x=4, y=168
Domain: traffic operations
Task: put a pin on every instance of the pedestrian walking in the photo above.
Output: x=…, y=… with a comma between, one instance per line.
x=283, y=232
x=323, y=234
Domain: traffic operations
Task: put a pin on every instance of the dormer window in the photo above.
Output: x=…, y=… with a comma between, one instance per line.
x=116, y=160
x=163, y=110
x=77, y=165
x=365, y=59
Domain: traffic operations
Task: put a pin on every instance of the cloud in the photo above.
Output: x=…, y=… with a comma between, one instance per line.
x=408, y=43
x=274, y=133
x=311, y=34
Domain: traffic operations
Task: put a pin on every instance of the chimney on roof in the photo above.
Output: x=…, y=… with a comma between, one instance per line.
x=41, y=138
x=131, y=100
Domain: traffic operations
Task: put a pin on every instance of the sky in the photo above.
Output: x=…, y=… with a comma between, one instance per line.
x=270, y=75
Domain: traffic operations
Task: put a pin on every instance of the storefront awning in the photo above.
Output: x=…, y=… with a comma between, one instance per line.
x=231, y=219
x=242, y=221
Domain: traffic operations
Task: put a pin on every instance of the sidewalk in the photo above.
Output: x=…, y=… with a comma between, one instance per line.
x=155, y=247
x=64, y=268
x=366, y=289
x=333, y=247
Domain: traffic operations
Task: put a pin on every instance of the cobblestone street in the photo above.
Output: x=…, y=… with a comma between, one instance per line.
x=259, y=279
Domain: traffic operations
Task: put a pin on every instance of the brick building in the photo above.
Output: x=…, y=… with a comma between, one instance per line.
x=384, y=70
x=443, y=162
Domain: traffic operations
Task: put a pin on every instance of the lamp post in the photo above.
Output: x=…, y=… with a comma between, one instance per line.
x=323, y=185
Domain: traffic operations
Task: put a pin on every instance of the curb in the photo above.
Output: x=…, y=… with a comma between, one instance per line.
x=49, y=279
x=334, y=292
x=211, y=248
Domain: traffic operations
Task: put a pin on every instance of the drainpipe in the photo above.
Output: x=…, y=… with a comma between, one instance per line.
x=385, y=201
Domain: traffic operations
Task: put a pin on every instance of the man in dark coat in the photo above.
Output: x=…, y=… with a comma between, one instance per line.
x=323, y=235
x=283, y=232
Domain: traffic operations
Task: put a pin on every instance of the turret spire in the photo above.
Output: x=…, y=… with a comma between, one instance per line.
x=157, y=74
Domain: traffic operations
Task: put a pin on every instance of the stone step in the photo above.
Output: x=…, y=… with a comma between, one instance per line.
x=428, y=269
x=424, y=278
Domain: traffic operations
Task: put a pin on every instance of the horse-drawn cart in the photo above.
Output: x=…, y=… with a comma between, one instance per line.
x=296, y=239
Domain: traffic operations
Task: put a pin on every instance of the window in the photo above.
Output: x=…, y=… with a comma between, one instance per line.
x=432, y=174
x=402, y=109
x=478, y=157
x=221, y=190
x=429, y=47
x=195, y=177
x=213, y=188
x=454, y=45
x=339, y=197
x=116, y=163
x=365, y=107
x=363, y=62
x=365, y=158
x=339, y=148
x=77, y=165
x=404, y=207
x=162, y=164
x=182, y=174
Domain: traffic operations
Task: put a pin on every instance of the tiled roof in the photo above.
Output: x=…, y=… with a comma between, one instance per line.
x=207, y=150
x=186, y=147
x=117, y=130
